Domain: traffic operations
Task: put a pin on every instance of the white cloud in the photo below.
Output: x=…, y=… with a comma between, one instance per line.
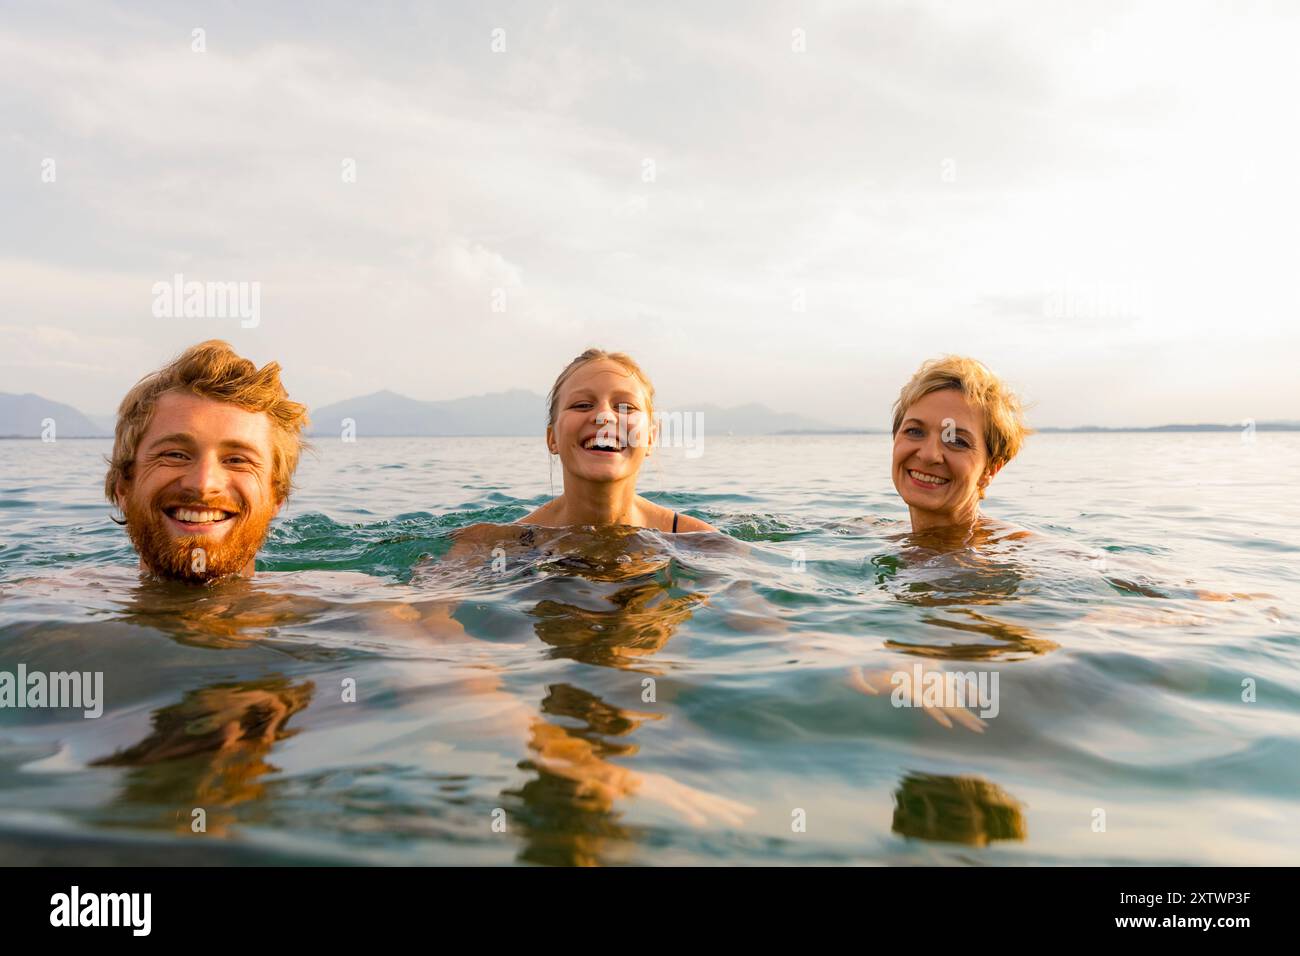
x=921, y=176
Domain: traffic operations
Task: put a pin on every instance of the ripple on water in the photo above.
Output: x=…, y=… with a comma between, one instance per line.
x=637, y=697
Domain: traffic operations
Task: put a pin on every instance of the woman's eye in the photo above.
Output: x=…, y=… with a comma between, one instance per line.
x=960, y=443
x=914, y=432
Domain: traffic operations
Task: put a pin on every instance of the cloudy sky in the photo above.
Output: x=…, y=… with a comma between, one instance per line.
x=788, y=203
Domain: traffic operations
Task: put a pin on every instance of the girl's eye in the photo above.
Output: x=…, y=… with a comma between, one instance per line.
x=915, y=432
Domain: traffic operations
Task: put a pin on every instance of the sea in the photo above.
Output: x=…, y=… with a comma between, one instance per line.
x=780, y=692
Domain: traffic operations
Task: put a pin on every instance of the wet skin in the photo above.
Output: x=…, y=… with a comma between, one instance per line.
x=200, y=499
x=940, y=461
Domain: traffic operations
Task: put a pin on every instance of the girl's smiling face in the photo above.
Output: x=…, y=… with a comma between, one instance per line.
x=940, y=460
x=603, y=428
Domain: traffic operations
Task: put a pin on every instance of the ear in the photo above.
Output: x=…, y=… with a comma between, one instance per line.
x=120, y=490
x=551, y=446
x=989, y=472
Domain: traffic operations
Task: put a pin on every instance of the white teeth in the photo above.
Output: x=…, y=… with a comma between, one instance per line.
x=928, y=479
x=609, y=443
x=192, y=516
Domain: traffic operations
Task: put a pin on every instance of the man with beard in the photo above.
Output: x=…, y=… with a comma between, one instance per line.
x=203, y=458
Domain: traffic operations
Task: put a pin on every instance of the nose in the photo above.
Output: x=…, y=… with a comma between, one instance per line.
x=932, y=449
x=205, y=478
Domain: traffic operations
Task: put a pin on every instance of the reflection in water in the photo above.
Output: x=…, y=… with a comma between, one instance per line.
x=620, y=605
x=964, y=809
x=209, y=751
x=568, y=814
x=225, y=614
x=750, y=690
x=641, y=619
x=597, y=598
x=1012, y=642
x=281, y=609
x=950, y=572
x=638, y=608
x=569, y=811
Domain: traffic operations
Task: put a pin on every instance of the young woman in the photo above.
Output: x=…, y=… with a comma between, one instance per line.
x=601, y=426
x=956, y=425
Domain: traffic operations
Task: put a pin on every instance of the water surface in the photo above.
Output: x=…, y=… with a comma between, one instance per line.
x=633, y=697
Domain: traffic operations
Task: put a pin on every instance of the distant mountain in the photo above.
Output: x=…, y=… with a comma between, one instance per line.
x=514, y=413
x=519, y=413
x=387, y=413
x=24, y=416
x=754, y=419
x=1259, y=427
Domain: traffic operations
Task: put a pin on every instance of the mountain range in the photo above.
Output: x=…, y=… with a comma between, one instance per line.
x=514, y=413
x=25, y=416
x=388, y=414
x=517, y=413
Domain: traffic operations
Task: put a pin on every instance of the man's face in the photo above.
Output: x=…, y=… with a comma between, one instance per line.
x=200, y=498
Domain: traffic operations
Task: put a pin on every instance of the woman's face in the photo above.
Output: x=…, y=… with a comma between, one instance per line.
x=603, y=430
x=940, y=459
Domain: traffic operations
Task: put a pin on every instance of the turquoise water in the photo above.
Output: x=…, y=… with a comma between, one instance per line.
x=631, y=697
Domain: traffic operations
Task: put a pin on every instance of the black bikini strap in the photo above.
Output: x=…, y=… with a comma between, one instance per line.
x=674, y=522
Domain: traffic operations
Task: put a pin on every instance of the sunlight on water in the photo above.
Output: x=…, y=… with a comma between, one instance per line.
x=605, y=697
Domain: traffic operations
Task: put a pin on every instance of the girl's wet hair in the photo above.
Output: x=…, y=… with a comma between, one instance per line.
x=596, y=355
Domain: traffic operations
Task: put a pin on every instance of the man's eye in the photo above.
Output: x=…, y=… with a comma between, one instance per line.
x=174, y=455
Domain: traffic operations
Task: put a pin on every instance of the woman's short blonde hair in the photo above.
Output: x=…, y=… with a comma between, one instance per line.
x=1004, y=423
x=596, y=355
x=212, y=369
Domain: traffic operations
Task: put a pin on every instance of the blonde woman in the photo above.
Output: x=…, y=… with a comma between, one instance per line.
x=956, y=425
x=601, y=426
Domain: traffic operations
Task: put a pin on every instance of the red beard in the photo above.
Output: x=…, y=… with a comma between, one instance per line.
x=195, y=559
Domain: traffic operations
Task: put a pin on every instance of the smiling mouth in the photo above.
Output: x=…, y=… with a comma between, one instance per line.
x=198, y=518
x=603, y=445
x=930, y=481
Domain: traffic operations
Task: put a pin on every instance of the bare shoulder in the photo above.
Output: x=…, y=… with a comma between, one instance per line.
x=662, y=519
x=687, y=523
x=545, y=515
